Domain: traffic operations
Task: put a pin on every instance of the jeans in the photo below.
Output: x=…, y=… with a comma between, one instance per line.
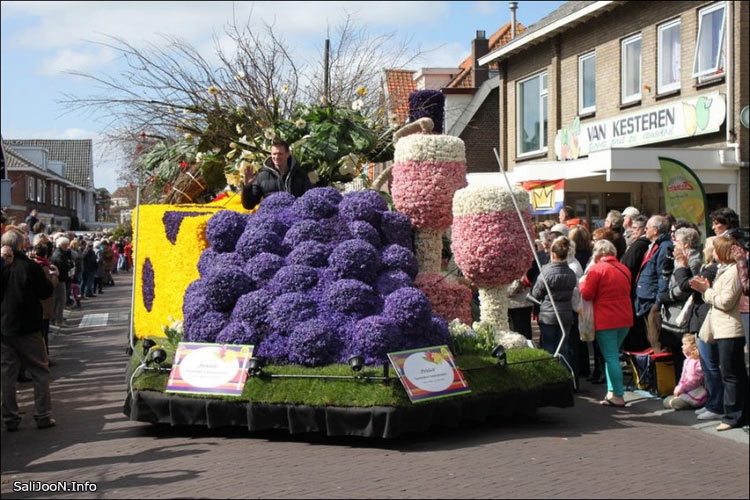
x=734, y=377
x=609, y=344
x=88, y=283
x=709, y=354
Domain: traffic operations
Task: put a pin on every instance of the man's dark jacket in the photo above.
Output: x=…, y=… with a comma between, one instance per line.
x=269, y=180
x=24, y=286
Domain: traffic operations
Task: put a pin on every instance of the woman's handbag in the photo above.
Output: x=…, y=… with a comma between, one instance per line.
x=586, y=321
x=676, y=318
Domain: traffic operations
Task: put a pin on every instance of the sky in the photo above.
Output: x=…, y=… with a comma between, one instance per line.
x=42, y=42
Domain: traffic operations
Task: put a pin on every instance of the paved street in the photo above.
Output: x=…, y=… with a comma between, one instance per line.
x=587, y=451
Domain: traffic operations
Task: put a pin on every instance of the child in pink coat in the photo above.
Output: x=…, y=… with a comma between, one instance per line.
x=690, y=391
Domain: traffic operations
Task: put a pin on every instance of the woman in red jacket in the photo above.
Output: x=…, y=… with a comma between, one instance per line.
x=607, y=285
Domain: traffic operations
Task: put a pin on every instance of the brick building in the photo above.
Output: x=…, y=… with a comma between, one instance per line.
x=596, y=92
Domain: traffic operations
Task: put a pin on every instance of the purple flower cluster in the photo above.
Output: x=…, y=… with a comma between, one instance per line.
x=293, y=279
x=210, y=260
x=428, y=103
x=399, y=258
x=311, y=281
x=397, y=230
x=351, y=297
x=314, y=204
x=205, y=328
x=309, y=253
x=149, y=284
x=363, y=205
x=314, y=343
x=224, y=286
x=355, y=259
x=224, y=229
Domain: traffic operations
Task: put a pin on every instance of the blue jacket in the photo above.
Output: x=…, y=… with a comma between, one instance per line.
x=651, y=281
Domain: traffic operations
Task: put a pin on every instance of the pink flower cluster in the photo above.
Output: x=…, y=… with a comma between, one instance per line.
x=424, y=190
x=448, y=298
x=491, y=248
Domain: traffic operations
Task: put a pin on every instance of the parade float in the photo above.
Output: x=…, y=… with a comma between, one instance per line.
x=319, y=313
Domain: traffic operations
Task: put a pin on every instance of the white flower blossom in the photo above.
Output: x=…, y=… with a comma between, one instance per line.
x=300, y=123
x=285, y=89
x=357, y=105
x=247, y=155
x=188, y=137
x=270, y=100
x=238, y=128
x=269, y=134
x=213, y=89
x=240, y=75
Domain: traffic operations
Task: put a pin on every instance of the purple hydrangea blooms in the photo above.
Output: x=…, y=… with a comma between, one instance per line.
x=374, y=337
x=309, y=253
x=224, y=286
x=293, y=279
x=352, y=297
x=290, y=309
x=312, y=281
x=210, y=260
x=408, y=307
x=363, y=205
x=224, y=229
x=263, y=267
x=355, y=259
x=237, y=332
x=205, y=328
x=397, y=229
x=400, y=258
x=390, y=280
x=314, y=204
x=364, y=231
x=314, y=342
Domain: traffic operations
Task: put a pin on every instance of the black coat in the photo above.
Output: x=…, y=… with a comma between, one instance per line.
x=269, y=180
x=24, y=286
x=700, y=309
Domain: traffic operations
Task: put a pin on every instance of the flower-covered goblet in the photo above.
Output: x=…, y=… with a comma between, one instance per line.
x=490, y=247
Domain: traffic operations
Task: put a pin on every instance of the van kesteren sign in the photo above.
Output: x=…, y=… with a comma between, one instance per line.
x=698, y=115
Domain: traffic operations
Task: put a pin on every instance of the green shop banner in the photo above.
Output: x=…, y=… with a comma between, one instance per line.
x=684, y=196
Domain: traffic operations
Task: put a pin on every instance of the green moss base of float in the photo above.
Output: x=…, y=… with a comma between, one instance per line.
x=362, y=405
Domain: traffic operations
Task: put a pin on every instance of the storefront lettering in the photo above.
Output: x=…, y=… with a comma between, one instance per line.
x=641, y=123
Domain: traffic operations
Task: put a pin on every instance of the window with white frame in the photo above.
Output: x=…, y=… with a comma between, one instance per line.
x=709, y=48
x=587, y=83
x=532, y=114
x=41, y=191
x=30, y=188
x=668, y=57
x=631, y=69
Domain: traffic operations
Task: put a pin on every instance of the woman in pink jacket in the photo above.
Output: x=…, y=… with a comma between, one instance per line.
x=607, y=285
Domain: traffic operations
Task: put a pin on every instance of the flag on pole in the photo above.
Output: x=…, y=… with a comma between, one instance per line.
x=684, y=196
x=546, y=197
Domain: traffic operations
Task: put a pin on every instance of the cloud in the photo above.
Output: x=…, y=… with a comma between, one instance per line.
x=82, y=61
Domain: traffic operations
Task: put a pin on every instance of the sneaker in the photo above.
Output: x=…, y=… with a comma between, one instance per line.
x=45, y=423
x=709, y=415
x=701, y=410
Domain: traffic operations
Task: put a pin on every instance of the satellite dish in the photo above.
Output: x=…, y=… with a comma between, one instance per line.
x=745, y=116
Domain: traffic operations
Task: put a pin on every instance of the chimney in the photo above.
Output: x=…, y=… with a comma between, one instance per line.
x=480, y=46
x=513, y=8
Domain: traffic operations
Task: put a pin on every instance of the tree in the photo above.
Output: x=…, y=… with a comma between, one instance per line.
x=188, y=128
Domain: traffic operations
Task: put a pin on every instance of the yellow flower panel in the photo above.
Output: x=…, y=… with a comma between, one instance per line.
x=169, y=241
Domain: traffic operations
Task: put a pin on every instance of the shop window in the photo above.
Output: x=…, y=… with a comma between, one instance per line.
x=668, y=57
x=631, y=69
x=709, y=47
x=532, y=115
x=587, y=83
